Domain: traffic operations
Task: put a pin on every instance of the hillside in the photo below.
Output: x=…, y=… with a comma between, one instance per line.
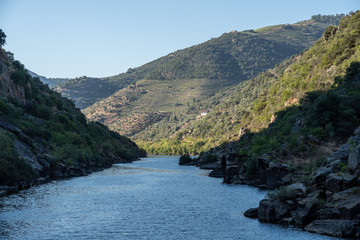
x=302, y=136
x=43, y=136
x=170, y=92
x=252, y=105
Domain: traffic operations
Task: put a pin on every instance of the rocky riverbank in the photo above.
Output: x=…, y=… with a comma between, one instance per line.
x=45, y=167
x=329, y=204
x=43, y=136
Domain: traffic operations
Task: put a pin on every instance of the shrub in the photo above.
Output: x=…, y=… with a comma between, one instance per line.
x=283, y=194
x=210, y=158
x=251, y=166
x=12, y=168
x=342, y=167
x=19, y=77
x=3, y=107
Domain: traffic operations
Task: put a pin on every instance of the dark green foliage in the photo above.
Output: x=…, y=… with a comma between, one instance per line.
x=329, y=19
x=20, y=75
x=12, y=168
x=53, y=123
x=2, y=38
x=283, y=194
x=251, y=166
x=3, y=107
x=304, y=96
x=209, y=157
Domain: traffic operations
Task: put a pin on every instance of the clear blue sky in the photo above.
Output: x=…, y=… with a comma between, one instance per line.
x=71, y=38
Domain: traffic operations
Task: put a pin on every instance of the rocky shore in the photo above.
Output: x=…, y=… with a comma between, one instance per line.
x=329, y=204
x=45, y=167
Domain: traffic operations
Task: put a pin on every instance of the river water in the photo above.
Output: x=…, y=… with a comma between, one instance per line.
x=149, y=199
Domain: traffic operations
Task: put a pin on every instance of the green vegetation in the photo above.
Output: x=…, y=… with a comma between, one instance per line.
x=12, y=168
x=283, y=194
x=2, y=38
x=50, y=125
x=167, y=95
x=314, y=94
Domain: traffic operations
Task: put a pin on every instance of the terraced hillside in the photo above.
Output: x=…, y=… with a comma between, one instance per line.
x=252, y=105
x=171, y=91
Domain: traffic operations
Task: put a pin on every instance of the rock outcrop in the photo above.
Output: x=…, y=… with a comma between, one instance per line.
x=330, y=206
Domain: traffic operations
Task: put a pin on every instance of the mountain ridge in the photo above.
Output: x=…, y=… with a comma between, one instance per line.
x=242, y=108
x=193, y=74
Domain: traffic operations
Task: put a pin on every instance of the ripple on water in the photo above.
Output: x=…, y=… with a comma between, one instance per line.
x=150, y=199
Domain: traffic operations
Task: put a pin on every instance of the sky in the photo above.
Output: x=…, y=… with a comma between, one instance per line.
x=99, y=38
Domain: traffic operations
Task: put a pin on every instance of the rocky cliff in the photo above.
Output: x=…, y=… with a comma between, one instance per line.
x=7, y=86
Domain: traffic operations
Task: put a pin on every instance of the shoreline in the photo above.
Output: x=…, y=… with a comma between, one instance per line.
x=328, y=205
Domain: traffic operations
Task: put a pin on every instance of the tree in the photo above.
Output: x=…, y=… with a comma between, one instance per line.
x=2, y=38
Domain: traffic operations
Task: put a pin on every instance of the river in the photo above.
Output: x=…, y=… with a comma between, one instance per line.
x=154, y=198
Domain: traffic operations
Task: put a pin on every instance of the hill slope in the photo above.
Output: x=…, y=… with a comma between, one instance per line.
x=176, y=86
x=303, y=137
x=252, y=105
x=43, y=135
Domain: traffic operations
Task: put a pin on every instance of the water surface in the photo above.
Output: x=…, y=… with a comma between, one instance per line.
x=149, y=199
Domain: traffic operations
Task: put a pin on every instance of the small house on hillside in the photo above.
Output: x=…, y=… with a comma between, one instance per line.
x=203, y=113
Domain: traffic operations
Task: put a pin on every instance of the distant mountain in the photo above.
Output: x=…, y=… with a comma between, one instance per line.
x=171, y=91
x=52, y=82
x=85, y=91
x=232, y=57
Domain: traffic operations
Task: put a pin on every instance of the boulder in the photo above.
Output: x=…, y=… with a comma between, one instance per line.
x=251, y=213
x=185, y=160
x=262, y=166
x=346, y=202
x=10, y=127
x=45, y=167
x=329, y=213
x=354, y=159
x=210, y=166
x=272, y=210
x=305, y=214
x=26, y=153
x=336, y=228
x=232, y=172
x=58, y=170
x=274, y=175
x=270, y=175
x=217, y=173
x=75, y=171
x=299, y=188
x=341, y=153
x=336, y=182
x=322, y=173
